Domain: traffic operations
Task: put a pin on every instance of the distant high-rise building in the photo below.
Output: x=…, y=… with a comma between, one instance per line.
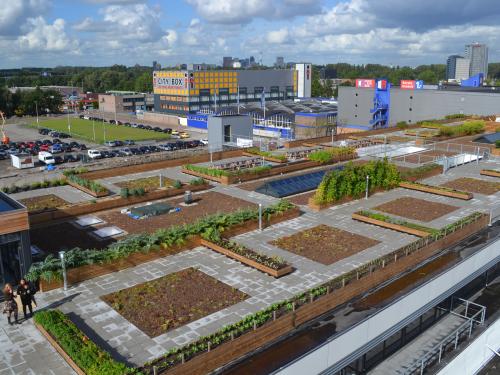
x=451, y=64
x=156, y=66
x=280, y=62
x=462, y=69
x=477, y=53
x=227, y=62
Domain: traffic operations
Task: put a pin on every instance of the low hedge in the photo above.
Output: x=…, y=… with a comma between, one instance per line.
x=80, y=170
x=214, y=172
x=34, y=185
x=50, y=268
x=332, y=154
x=392, y=220
x=86, y=354
x=256, y=151
x=419, y=172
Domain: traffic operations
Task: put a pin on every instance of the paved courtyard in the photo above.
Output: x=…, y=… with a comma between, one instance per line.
x=127, y=343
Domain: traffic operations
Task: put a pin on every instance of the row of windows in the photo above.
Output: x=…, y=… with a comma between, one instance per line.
x=173, y=107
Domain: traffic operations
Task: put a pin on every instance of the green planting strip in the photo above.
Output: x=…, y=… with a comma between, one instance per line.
x=392, y=220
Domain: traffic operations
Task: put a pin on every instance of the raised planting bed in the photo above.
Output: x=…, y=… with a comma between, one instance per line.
x=490, y=172
x=420, y=173
x=207, y=203
x=98, y=191
x=81, y=354
x=474, y=185
x=416, y=209
x=256, y=330
x=43, y=202
x=146, y=183
x=173, y=300
x=80, y=209
x=273, y=266
x=137, y=249
x=333, y=155
x=324, y=244
x=438, y=190
x=266, y=155
x=392, y=223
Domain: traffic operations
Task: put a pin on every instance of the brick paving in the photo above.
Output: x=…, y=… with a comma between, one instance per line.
x=126, y=342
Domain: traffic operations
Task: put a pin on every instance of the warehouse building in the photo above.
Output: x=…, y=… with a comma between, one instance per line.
x=375, y=104
x=287, y=119
x=185, y=92
x=124, y=102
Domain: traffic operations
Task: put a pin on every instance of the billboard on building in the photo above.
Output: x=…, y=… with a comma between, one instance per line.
x=382, y=84
x=365, y=83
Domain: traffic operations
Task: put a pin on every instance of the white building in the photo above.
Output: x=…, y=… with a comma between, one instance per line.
x=304, y=77
x=477, y=53
x=462, y=69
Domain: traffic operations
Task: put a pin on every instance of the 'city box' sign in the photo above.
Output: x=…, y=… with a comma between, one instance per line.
x=169, y=82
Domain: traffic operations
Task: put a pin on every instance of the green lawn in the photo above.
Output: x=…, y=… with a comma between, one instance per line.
x=83, y=129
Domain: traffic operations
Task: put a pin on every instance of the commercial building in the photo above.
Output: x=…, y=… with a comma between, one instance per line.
x=15, y=251
x=191, y=91
x=124, y=102
x=375, y=104
x=229, y=130
x=457, y=68
x=477, y=53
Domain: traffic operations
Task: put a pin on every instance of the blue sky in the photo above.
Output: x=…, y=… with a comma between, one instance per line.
x=106, y=32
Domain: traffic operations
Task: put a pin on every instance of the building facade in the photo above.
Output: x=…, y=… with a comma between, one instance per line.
x=15, y=250
x=123, y=102
x=477, y=53
x=356, y=106
x=184, y=91
x=462, y=69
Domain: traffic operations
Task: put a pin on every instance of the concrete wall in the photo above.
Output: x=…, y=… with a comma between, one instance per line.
x=412, y=106
x=161, y=119
x=265, y=78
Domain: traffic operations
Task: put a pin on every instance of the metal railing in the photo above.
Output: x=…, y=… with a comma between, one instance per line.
x=474, y=315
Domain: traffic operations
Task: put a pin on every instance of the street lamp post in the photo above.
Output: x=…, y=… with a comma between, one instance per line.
x=63, y=265
x=69, y=123
x=93, y=127
x=260, y=217
x=36, y=108
x=367, y=184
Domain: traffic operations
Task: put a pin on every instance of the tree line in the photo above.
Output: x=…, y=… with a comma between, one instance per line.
x=91, y=79
x=30, y=102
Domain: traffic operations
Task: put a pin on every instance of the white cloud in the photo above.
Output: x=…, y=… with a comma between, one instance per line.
x=280, y=36
x=14, y=13
x=116, y=2
x=244, y=11
x=42, y=36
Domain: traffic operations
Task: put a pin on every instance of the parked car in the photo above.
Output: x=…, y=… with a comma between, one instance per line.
x=68, y=158
x=204, y=142
x=110, y=143
x=125, y=152
x=56, y=149
x=174, y=132
x=94, y=154
x=157, y=129
x=129, y=142
x=145, y=149
x=64, y=135
x=184, y=135
x=107, y=154
x=167, y=130
x=119, y=143
x=58, y=159
x=43, y=131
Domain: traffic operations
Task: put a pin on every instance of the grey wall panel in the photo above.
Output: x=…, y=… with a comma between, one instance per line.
x=412, y=106
x=265, y=78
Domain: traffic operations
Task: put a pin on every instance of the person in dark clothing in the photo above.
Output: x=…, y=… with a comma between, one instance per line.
x=10, y=305
x=25, y=291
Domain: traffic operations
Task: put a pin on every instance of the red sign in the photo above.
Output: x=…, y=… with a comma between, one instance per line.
x=407, y=84
x=365, y=83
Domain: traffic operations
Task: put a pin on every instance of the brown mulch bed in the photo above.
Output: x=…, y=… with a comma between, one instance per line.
x=416, y=209
x=324, y=244
x=301, y=199
x=43, y=202
x=473, y=185
x=174, y=300
x=207, y=204
x=65, y=236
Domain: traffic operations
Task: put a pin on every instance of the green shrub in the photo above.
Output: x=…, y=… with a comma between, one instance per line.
x=197, y=181
x=177, y=184
x=213, y=172
x=454, y=116
x=419, y=172
x=93, y=186
x=402, y=125
x=256, y=151
x=73, y=171
x=124, y=192
x=333, y=154
x=85, y=353
x=140, y=192
x=497, y=144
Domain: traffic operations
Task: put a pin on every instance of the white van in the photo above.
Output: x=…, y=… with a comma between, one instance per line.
x=94, y=154
x=46, y=157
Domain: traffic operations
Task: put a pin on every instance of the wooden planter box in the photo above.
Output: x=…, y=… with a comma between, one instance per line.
x=77, y=275
x=88, y=191
x=249, y=262
x=60, y=350
x=485, y=172
x=437, y=191
x=267, y=158
x=396, y=227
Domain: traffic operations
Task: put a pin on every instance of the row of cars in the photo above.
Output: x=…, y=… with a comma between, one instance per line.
x=33, y=148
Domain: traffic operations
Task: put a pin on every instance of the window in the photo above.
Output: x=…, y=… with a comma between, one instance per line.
x=258, y=90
